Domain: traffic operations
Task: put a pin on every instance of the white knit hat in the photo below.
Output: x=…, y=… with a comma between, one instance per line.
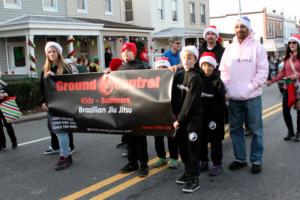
x=295, y=37
x=208, y=57
x=192, y=49
x=212, y=29
x=245, y=21
x=53, y=44
x=163, y=61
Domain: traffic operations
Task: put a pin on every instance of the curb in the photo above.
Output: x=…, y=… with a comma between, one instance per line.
x=30, y=117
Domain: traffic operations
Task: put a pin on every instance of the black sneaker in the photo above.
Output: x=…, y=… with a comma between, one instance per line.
x=121, y=145
x=183, y=179
x=2, y=149
x=63, y=163
x=129, y=168
x=143, y=171
x=255, y=169
x=203, y=166
x=14, y=146
x=289, y=136
x=297, y=137
x=237, y=165
x=192, y=185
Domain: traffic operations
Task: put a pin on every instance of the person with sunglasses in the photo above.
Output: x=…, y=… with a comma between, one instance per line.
x=290, y=71
x=173, y=54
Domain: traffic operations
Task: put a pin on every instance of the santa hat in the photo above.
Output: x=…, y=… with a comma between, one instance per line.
x=192, y=49
x=212, y=29
x=245, y=21
x=295, y=37
x=115, y=63
x=130, y=46
x=208, y=57
x=53, y=44
x=162, y=62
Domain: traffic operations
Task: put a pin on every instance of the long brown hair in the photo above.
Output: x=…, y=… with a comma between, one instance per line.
x=288, y=53
x=61, y=64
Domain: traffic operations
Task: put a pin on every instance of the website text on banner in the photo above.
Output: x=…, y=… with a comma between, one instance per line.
x=122, y=102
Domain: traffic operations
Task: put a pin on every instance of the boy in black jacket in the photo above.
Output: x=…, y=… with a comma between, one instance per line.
x=213, y=97
x=137, y=145
x=189, y=120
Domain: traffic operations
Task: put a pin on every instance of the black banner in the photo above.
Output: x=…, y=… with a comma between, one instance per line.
x=122, y=102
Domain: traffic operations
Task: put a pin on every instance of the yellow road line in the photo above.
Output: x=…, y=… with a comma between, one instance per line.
x=271, y=108
x=101, y=184
x=127, y=184
x=267, y=112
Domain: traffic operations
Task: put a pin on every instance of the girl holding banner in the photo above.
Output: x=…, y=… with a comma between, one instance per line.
x=55, y=65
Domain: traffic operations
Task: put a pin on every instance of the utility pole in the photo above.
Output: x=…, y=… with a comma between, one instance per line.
x=240, y=8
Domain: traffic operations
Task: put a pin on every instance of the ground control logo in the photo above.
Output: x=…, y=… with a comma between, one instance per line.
x=105, y=85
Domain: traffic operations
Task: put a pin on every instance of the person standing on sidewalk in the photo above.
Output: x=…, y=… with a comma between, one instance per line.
x=55, y=65
x=290, y=71
x=8, y=125
x=244, y=70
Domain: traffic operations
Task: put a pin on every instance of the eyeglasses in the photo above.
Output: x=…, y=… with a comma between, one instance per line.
x=292, y=42
x=177, y=42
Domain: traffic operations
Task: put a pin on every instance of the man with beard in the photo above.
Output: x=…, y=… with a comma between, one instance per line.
x=211, y=44
x=244, y=70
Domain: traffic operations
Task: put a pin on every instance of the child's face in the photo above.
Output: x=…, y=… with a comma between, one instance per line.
x=207, y=68
x=52, y=54
x=127, y=55
x=188, y=60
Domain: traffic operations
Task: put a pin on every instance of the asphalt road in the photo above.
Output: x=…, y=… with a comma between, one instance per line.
x=26, y=173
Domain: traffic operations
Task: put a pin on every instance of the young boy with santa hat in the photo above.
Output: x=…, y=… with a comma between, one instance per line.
x=213, y=97
x=190, y=119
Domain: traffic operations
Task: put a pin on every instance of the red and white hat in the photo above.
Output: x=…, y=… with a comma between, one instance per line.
x=53, y=44
x=192, y=49
x=212, y=29
x=163, y=61
x=208, y=57
x=295, y=37
x=130, y=46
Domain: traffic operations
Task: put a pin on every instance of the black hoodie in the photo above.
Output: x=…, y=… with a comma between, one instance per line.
x=213, y=98
x=192, y=108
x=132, y=65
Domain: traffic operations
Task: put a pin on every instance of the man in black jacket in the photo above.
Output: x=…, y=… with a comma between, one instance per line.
x=211, y=44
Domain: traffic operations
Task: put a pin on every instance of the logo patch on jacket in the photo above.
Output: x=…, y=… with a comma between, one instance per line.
x=212, y=125
x=193, y=136
x=204, y=94
x=182, y=87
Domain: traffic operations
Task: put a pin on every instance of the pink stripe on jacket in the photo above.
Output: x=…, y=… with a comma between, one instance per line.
x=244, y=69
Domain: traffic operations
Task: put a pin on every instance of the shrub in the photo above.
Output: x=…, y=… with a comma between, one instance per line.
x=27, y=92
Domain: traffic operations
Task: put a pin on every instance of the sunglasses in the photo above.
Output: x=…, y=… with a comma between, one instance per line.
x=292, y=42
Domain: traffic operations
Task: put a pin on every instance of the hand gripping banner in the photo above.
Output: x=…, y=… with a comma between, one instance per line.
x=123, y=102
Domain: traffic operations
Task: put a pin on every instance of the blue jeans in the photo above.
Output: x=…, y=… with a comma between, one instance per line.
x=252, y=111
x=63, y=140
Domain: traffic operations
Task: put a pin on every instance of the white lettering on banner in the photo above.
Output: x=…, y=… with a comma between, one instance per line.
x=94, y=109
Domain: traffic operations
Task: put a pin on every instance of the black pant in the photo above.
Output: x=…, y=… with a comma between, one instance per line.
x=54, y=140
x=137, y=149
x=10, y=131
x=287, y=113
x=215, y=137
x=189, y=150
x=160, y=147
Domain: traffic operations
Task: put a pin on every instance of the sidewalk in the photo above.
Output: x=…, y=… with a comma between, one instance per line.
x=31, y=117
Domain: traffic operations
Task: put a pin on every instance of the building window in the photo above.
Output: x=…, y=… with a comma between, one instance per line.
x=128, y=11
x=192, y=13
x=174, y=10
x=50, y=5
x=108, y=7
x=19, y=56
x=202, y=14
x=82, y=6
x=12, y=4
x=160, y=7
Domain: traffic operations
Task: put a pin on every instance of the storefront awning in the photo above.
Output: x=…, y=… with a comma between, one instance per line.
x=179, y=32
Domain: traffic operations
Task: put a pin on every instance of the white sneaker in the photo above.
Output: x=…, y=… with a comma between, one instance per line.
x=72, y=151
